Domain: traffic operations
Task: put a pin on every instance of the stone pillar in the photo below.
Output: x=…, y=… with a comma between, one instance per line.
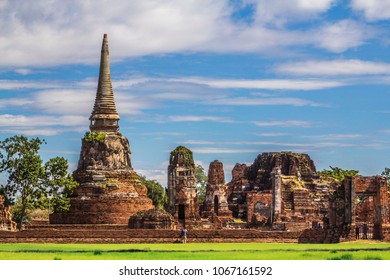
x=276, y=177
x=380, y=207
x=349, y=201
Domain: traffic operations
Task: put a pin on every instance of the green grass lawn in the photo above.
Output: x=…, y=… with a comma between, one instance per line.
x=197, y=251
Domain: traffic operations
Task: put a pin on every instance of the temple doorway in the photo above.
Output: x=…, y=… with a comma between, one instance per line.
x=216, y=205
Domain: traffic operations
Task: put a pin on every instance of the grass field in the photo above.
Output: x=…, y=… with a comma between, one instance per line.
x=197, y=251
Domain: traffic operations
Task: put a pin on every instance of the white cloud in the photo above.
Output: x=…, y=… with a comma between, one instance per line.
x=21, y=84
x=11, y=102
x=198, y=142
x=336, y=136
x=279, y=12
x=23, y=71
x=342, y=35
x=38, y=32
x=222, y=151
x=33, y=131
x=289, y=123
x=64, y=101
x=41, y=33
x=271, y=134
x=243, y=101
x=8, y=120
x=199, y=119
x=281, y=84
x=335, y=68
x=373, y=9
x=76, y=101
x=163, y=133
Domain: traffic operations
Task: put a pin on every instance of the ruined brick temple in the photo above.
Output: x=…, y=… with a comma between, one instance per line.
x=182, y=192
x=215, y=204
x=6, y=222
x=109, y=190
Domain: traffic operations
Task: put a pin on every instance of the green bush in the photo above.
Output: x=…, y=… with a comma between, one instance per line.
x=94, y=136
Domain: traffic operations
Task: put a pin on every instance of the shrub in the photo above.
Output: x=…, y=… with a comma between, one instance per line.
x=94, y=136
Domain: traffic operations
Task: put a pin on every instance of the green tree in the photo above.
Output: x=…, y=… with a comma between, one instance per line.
x=58, y=185
x=386, y=173
x=338, y=173
x=156, y=192
x=201, y=182
x=31, y=184
x=20, y=159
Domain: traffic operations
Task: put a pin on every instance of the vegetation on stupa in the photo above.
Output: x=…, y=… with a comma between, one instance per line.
x=187, y=155
x=95, y=136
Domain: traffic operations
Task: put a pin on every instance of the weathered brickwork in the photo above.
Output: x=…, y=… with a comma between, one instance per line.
x=152, y=219
x=281, y=190
x=6, y=222
x=215, y=203
x=182, y=192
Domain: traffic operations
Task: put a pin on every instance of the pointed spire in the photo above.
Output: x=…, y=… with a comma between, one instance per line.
x=104, y=117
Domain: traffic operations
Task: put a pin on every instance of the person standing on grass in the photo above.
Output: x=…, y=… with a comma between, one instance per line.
x=183, y=235
x=357, y=232
x=365, y=230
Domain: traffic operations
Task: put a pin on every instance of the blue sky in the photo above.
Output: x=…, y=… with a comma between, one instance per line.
x=227, y=79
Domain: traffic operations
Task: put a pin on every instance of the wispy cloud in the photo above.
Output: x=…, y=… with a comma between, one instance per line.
x=335, y=68
x=342, y=35
x=32, y=131
x=198, y=142
x=243, y=101
x=320, y=144
x=199, y=119
x=15, y=102
x=288, y=123
x=276, y=84
x=163, y=133
x=40, y=124
x=222, y=151
x=373, y=10
x=280, y=12
x=271, y=134
x=22, y=84
x=335, y=136
x=8, y=120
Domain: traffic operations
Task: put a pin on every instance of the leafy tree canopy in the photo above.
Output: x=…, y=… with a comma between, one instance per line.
x=58, y=186
x=386, y=173
x=29, y=182
x=338, y=173
x=201, y=182
x=156, y=192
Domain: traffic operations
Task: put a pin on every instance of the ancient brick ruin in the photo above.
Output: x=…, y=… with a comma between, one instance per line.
x=6, y=222
x=182, y=192
x=358, y=209
x=109, y=190
x=152, y=219
x=215, y=205
x=279, y=190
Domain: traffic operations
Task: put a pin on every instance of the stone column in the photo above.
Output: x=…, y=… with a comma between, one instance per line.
x=380, y=202
x=276, y=177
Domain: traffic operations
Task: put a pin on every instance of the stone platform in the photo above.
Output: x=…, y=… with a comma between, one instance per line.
x=122, y=234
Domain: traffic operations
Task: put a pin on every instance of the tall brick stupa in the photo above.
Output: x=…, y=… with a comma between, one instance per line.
x=109, y=190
